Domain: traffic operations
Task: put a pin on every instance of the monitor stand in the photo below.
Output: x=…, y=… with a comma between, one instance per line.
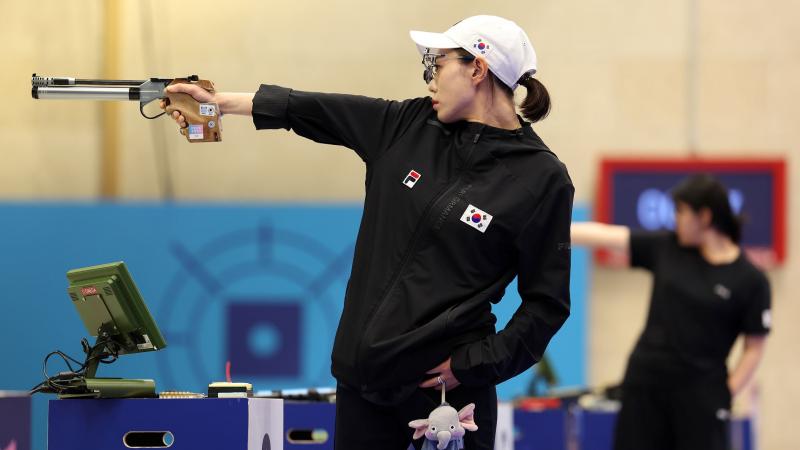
x=110, y=388
x=91, y=387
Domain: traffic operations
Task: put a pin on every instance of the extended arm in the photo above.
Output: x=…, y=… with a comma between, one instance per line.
x=366, y=125
x=238, y=103
x=600, y=235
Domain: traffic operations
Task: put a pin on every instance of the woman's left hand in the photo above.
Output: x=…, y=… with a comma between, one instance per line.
x=441, y=371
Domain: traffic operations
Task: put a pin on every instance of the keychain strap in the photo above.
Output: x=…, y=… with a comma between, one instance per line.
x=444, y=388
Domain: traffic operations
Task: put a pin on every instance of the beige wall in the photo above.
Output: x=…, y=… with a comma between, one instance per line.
x=619, y=73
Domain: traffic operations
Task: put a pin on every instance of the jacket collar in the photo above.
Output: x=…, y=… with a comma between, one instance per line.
x=478, y=127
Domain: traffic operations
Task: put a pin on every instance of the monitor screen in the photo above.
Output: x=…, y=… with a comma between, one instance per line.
x=110, y=305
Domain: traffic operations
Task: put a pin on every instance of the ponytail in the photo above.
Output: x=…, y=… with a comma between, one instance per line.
x=536, y=105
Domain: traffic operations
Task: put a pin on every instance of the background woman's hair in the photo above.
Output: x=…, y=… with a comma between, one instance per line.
x=705, y=191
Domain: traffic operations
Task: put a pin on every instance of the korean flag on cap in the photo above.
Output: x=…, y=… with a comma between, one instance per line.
x=476, y=218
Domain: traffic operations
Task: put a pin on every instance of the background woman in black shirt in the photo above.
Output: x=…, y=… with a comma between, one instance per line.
x=677, y=390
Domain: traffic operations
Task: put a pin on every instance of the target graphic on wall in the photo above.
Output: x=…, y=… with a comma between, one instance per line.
x=265, y=298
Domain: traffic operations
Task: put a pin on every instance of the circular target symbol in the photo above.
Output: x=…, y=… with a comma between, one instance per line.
x=266, y=299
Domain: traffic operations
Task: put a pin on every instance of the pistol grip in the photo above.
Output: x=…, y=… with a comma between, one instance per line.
x=202, y=119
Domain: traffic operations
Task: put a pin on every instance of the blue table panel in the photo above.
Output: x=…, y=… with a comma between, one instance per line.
x=15, y=422
x=537, y=430
x=195, y=424
x=318, y=418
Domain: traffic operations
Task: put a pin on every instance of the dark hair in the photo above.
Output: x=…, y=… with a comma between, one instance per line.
x=536, y=105
x=705, y=191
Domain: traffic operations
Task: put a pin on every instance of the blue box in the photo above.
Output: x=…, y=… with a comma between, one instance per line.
x=537, y=430
x=308, y=425
x=742, y=434
x=186, y=424
x=15, y=421
x=596, y=429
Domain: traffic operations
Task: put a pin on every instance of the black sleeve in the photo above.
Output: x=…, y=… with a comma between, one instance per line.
x=757, y=315
x=543, y=280
x=366, y=125
x=645, y=247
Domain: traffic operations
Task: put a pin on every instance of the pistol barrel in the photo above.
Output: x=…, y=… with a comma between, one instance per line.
x=84, y=93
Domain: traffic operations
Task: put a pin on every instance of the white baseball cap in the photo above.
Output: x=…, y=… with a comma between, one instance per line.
x=503, y=44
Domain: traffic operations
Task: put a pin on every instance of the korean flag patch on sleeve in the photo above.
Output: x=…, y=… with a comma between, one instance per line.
x=476, y=218
x=766, y=319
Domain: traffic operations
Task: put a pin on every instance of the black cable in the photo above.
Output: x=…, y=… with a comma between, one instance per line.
x=66, y=359
x=54, y=382
x=70, y=379
x=36, y=388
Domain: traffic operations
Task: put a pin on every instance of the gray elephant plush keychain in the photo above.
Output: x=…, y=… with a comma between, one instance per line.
x=445, y=427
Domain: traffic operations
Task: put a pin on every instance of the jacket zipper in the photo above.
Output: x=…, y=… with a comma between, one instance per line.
x=412, y=244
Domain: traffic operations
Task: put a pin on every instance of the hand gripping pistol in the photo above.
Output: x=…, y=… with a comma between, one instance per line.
x=202, y=119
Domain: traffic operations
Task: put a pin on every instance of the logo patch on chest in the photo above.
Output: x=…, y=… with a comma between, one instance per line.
x=476, y=218
x=412, y=178
x=722, y=292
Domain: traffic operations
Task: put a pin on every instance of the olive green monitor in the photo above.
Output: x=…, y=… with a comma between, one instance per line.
x=109, y=303
x=112, y=309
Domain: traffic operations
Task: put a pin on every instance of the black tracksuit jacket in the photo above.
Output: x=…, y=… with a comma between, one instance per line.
x=424, y=274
